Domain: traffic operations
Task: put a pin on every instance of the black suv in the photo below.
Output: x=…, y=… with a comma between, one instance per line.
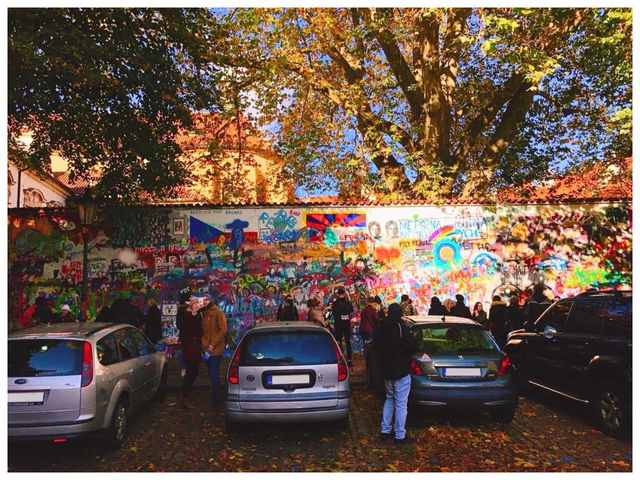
x=580, y=347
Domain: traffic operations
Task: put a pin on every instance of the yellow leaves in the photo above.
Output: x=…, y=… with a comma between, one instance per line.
x=133, y=449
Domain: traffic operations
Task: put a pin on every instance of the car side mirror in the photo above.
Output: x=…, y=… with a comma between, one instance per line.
x=549, y=331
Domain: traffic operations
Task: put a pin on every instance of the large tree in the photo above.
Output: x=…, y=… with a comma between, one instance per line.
x=433, y=103
x=108, y=89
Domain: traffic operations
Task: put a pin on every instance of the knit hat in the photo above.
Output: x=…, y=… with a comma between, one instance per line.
x=65, y=307
x=207, y=295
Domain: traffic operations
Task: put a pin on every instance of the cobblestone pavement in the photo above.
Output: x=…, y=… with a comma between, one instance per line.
x=547, y=434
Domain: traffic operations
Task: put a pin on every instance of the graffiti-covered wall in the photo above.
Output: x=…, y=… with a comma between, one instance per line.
x=247, y=258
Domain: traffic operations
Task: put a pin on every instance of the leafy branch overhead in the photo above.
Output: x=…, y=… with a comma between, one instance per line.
x=436, y=102
x=108, y=89
x=427, y=103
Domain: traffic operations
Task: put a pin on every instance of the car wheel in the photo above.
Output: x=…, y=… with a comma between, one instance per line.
x=504, y=416
x=611, y=410
x=117, y=430
x=161, y=393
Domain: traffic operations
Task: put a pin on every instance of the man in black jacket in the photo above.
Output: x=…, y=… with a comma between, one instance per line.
x=394, y=345
x=342, y=311
x=460, y=309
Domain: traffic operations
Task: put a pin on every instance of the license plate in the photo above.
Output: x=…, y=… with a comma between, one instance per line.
x=26, y=398
x=462, y=372
x=287, y=379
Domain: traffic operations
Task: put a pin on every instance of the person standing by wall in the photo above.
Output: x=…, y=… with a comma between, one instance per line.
x=479, y=315
x=436, y=307
x=448, y=306
x=368, y=321
x=214, y=330
x=342, y=311
x=460, y=309
x=287, y=311
x=515, y=317
x=190, y=336
x=315, y=314
x=498, y=319
x=407, y=305
x=394, y=345
x=536, y=305
x=152, y=321
x=64, y=316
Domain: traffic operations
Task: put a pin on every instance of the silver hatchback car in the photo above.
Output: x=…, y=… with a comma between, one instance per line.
x=287, y=372
x=80, y=379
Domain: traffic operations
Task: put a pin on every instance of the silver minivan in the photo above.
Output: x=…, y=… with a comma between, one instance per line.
x=287, y=372
x=80, y=379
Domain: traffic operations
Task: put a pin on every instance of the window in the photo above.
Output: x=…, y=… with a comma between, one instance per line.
x=586, y=317
x=288, y=348
x=617, y=317
x=556, y=317
x=452, y=339
x=127, y=346
x=107, y=350
x=45, y=358
x=143, y=345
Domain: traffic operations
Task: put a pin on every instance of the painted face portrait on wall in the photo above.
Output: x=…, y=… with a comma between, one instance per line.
x=392, y=229
x=374, y=229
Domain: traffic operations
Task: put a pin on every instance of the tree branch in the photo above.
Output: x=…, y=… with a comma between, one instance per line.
x=398, y=64
x=504, y=133
x=474, y=129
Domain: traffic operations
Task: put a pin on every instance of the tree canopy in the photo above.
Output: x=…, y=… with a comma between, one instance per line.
x=427, y=103
x=434, y=103
x=108, y=88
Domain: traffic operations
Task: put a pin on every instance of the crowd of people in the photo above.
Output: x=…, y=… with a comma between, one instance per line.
x=202, y=330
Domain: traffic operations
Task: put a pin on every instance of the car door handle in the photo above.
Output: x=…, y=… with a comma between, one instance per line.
x=147, y=364
x=130, y=372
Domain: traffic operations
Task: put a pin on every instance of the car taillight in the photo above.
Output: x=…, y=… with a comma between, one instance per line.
x=232, y=376
x=343, y=370
x=415, y=368
x=87, y=364
x=504, y=366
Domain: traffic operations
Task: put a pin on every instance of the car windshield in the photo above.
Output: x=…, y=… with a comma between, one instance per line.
x=453, y=340
x=287, y=348
x=45, y=358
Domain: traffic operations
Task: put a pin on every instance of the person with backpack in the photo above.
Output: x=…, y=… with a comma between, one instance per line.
x=394, y=345
x=342, y=311
x=287, y=311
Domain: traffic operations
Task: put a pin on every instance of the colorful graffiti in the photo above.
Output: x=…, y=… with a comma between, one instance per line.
x=249, y=258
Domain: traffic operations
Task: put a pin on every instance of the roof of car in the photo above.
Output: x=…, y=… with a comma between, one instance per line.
x=70, y=329
x=429, y=319
x=271, y=324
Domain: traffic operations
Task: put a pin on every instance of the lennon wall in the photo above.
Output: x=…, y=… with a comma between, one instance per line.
x=248, y=258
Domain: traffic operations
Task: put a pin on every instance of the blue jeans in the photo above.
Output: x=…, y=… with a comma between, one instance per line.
x=213, y=366
x=395, y=406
